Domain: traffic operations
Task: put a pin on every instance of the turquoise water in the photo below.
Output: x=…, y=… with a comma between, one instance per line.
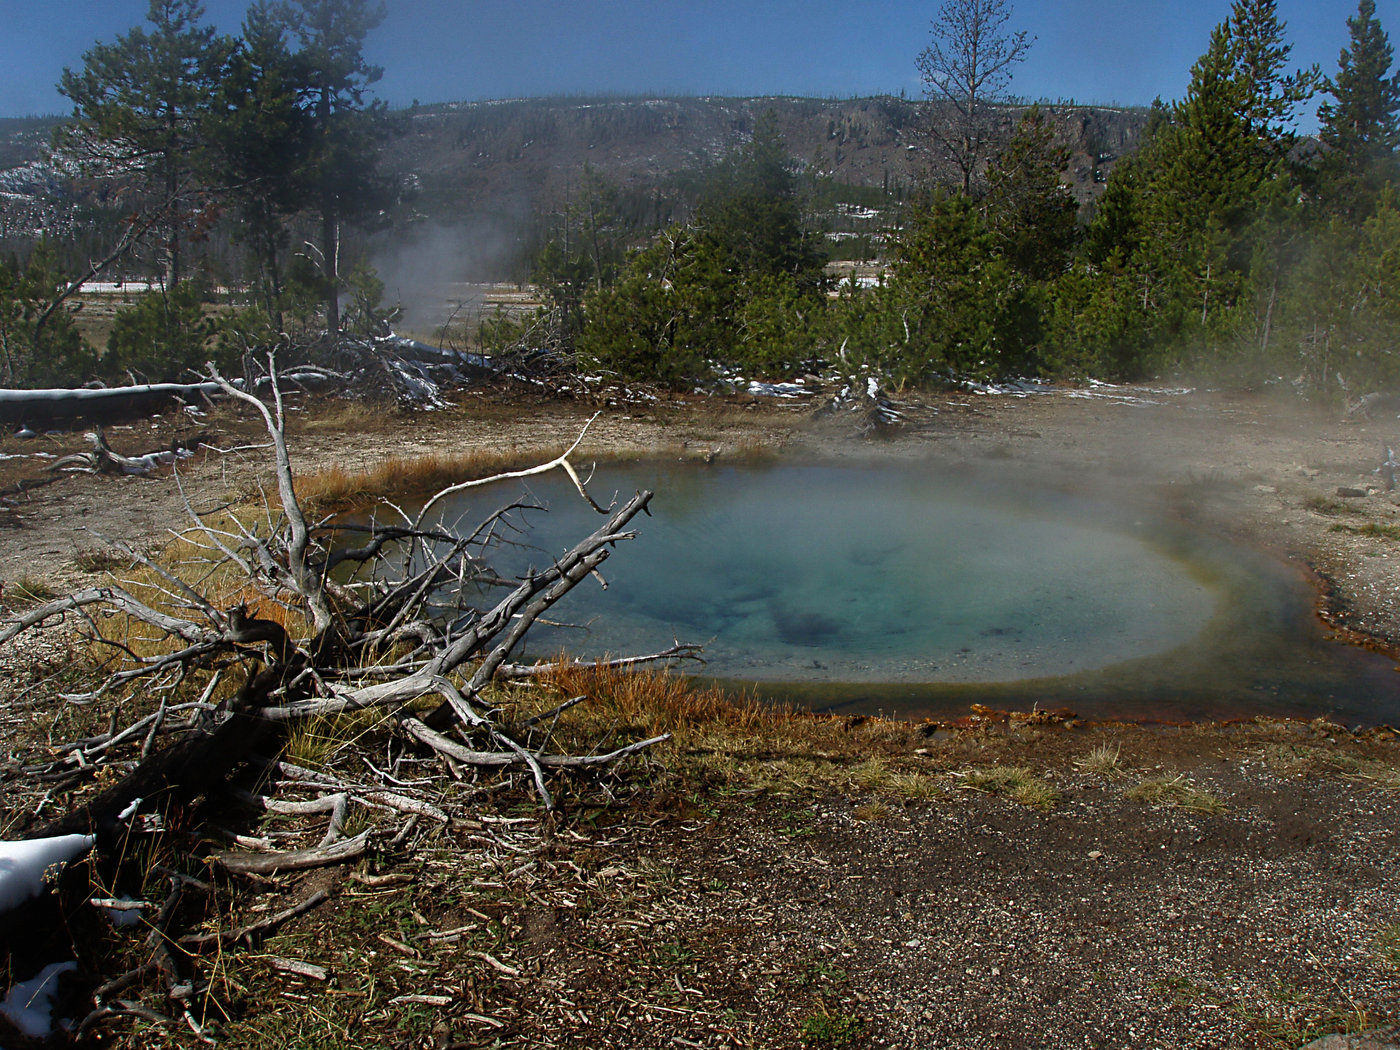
x=909, y=590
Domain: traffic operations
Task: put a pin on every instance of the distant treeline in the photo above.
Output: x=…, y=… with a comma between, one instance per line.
x=1226, y=244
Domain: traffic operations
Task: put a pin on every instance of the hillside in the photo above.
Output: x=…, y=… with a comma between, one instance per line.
x=491, y=169
x=529, y=152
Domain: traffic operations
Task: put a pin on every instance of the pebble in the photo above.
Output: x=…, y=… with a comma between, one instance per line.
x=1378, y=1039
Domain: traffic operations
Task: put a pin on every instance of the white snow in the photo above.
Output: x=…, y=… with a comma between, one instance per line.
x=29, y=1004
x=760, y=389
x=113, y=287
x=23, y=864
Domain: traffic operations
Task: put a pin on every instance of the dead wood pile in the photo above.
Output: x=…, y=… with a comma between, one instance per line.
x=331, y=619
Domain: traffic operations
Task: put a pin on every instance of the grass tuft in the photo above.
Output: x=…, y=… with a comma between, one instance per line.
x=1177, y=792
x=1299, y=760
x=829, y=1029
x=29, y=590
x=1388, y=944
x=95, y=560
x=1374, y=529
x=1018, y=783
x=318, y=742
x=872, y=811
x=1104, y=760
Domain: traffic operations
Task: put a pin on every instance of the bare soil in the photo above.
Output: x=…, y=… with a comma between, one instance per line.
x=859, y=882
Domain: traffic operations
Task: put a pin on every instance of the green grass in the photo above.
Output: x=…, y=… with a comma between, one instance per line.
x=1018, y=783
x=1374, y=529
x=1177, y=792
x=829, y=1029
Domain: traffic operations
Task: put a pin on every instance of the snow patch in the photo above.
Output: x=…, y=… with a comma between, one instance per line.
x=761, y=389
x=24, y=864
x=29, y=1004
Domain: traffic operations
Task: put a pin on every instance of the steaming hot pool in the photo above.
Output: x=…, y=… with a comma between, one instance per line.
x=915, y=591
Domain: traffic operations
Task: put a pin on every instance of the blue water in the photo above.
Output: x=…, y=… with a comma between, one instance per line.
x=909, y=590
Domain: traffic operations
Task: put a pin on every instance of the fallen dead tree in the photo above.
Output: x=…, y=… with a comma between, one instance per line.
x=52, y=407
x=270, y=624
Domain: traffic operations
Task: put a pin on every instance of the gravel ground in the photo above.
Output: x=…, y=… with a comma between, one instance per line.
x=1260, y=912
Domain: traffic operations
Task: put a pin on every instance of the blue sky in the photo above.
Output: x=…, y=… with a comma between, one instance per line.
x=1100, y=51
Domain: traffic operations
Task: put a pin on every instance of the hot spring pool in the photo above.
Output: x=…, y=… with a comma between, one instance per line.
x=912, y=591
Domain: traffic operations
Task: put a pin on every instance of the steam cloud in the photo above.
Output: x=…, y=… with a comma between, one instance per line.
x=430, y=271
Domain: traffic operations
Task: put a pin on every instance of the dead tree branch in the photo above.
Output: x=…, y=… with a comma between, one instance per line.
x=271, y=620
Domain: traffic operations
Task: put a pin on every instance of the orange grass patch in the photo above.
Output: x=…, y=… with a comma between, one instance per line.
x=338, y=488
x=661, y=702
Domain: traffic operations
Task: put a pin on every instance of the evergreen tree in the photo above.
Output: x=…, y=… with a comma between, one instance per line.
x=1270, y=95
x=585, y=253
x=1030, y=211
x=345, y=128
x=961, y=309
x=53, y=353
x=1361, y=125
x=742, y=286
x=141, y=108
x=163, y=336
x=1198, y=224
x=751, y=218
x=262, y=142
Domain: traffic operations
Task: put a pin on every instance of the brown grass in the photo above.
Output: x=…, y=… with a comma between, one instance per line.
x=657, y=702
x=337, y=488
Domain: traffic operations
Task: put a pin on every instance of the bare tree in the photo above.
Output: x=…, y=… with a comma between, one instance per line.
x=966, y=69
x=272, y=619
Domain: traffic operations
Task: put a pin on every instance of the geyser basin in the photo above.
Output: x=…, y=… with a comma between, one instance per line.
x=904, y=589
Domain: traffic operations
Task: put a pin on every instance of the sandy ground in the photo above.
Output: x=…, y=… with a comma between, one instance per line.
x=842, y=907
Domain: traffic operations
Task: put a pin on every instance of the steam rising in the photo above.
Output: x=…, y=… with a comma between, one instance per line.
x=430, y=271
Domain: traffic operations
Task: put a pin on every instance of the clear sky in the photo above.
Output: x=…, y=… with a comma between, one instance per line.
x=1098, y=51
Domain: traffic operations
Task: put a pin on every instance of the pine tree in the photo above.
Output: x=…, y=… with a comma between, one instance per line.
x=141, y=107
x=262, y=141
x=1028, y=208
x=1260, y=53
x=345, y=127
x=751, y=217
x=1361, y=125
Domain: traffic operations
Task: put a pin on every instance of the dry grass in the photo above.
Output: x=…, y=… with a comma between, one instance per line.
x=1178, y=792
x=656, y=702
x=1298, y=760
x=338, y=488
x=318, y=742
x=738, y=745
x=1103, y=760
x=872, y=811
x=1294, y=760
x=1388, y=944
x=1369, y=771
x=1018, y=783
x=96, y=560
x=349, y=415
x=28, y=590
